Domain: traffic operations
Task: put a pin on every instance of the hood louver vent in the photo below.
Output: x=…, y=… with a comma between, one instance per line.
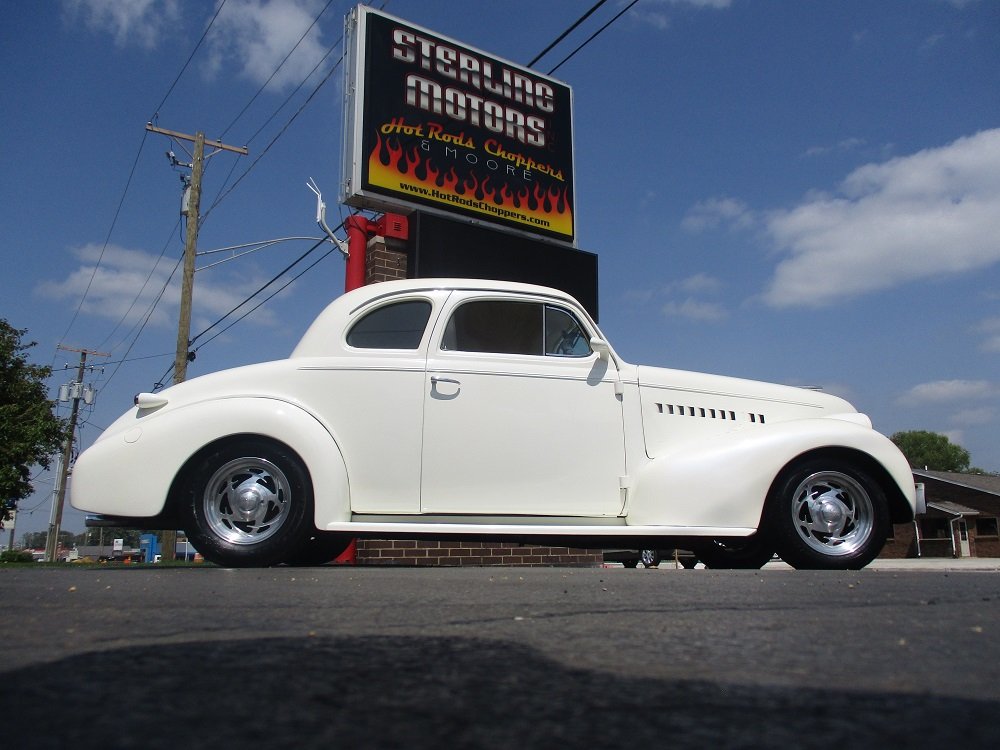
x=678, y=410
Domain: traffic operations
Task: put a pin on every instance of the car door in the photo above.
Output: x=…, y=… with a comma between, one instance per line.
x=521, y=417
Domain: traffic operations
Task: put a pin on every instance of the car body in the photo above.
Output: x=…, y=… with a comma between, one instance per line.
x=470, y=409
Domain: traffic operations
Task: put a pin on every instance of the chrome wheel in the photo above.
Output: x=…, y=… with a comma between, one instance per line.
x=246, y=501
x=649, y=557
x=832, y=513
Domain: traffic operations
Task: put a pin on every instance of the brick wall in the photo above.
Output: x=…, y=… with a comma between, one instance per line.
x=433, y=553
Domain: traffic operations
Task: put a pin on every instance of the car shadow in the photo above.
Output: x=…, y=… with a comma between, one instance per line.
x=430, y=692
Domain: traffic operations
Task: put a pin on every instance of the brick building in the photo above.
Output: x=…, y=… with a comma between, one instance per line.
x=962, y=519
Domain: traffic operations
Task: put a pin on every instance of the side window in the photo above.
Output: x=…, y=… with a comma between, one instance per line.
x=563, y=334
x=508, y=327
x=495, y=326
x=397, y=326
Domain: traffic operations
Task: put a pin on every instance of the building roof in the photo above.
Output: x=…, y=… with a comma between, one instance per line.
x=952, y=508
x=987, y=483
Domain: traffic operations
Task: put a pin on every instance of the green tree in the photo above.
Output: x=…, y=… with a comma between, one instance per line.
x=931, y=450
x=29, y=430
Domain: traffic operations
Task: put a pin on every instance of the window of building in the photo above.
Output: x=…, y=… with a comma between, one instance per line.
x=934, y=528
x=397, y=326
x=987, y=527
x=508, y=327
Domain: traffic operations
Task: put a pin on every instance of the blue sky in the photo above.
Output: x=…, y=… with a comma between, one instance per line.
x=799, y=191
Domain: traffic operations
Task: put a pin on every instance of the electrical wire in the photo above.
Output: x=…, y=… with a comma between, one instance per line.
x=224, y=194
x=104, y=247
x=275, y=72
x=138, y=295
x=275, y=293
x=562, y=36
x=188, y=61
x=593, y=36
x=277, y=276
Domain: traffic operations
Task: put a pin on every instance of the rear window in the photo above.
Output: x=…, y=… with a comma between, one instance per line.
x=397, y=326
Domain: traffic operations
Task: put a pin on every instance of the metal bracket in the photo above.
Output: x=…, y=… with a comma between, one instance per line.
x=321, y=218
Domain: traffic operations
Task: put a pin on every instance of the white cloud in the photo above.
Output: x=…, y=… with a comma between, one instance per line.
x=920, y=216
x=660, y=20
x=844, y=146
x=693, y=306
x=716, y=212
x=124, y=274
x=990, y=327
x=694, y=309
x=949, y=391
x=256, y=35
x=140, y=22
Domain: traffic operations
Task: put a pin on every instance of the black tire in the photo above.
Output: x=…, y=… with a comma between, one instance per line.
x=318, y=549
x=248, y=503
x=649, y=558
x=750, y=553
x=827, y=514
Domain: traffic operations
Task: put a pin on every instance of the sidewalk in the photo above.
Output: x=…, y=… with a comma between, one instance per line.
x=972, y=564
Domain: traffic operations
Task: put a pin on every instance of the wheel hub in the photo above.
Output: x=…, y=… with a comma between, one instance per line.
x=248, y=502
x=829, y=512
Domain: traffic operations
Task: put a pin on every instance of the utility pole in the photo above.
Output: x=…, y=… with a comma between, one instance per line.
x=193, y=209
x=78, y=393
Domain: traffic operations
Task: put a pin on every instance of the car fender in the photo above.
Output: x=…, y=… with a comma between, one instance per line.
x=723, y=480
x=144, y=457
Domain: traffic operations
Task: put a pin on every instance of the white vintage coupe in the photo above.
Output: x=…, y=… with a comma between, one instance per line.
x=455, y=409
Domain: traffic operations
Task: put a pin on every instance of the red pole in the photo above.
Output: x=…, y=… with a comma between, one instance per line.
x=358, y=228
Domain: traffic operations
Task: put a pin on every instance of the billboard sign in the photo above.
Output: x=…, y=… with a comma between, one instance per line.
x=437, y=125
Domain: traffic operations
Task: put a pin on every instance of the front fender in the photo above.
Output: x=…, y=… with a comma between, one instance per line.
x=723, y=480
x=130, y=469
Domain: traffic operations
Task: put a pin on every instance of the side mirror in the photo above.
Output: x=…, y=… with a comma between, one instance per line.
x=600, y=346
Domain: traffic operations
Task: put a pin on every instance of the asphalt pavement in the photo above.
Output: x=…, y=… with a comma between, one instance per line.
x=499, y=657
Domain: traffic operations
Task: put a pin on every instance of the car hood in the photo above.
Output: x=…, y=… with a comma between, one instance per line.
x=679, y=406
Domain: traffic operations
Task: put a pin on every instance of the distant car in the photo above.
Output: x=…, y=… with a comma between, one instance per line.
x=453, y=409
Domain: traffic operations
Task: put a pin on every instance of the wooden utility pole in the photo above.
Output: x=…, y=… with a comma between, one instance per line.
x=193, y=207
x=52, y=540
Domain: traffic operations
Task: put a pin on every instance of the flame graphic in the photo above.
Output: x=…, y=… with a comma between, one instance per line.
x=411, y=173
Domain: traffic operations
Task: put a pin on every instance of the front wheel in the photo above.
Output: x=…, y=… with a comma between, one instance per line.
x=248, y=504
x=827, y=514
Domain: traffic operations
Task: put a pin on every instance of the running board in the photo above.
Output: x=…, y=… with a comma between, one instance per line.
x=439, y=529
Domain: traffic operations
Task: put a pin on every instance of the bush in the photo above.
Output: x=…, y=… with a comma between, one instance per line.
x=16, y=556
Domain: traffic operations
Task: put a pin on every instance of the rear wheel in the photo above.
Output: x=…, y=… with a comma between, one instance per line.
x=828, y=514
x=248, y=504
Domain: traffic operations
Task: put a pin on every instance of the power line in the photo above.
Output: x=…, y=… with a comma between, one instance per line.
x=275, y=293
x=273, y=74
x=562, y=36
x=274, y=140
x=593, y=36
x=277, y=276
x=107, y=240
x=188, y=61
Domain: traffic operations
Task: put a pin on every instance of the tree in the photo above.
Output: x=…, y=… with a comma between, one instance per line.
x=931, y=450
x=29, y=430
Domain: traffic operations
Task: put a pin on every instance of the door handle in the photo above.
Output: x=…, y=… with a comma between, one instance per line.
x=455, y=387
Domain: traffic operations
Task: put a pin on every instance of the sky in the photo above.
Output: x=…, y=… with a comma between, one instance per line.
x=804, y=192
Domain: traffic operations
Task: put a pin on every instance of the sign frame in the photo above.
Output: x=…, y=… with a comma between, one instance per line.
x=432, y=124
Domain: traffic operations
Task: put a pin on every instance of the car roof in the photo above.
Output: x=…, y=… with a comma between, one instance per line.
x=315, y=340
